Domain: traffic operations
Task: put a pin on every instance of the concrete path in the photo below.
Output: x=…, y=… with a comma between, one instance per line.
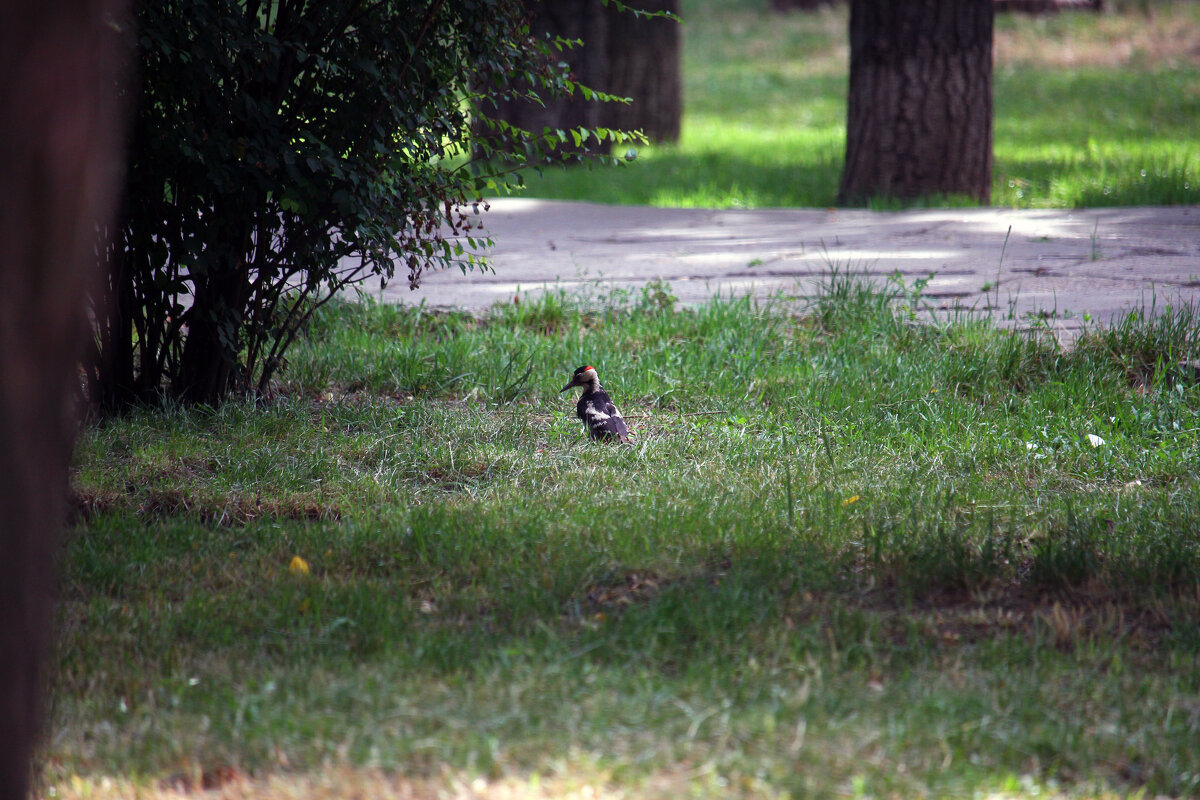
x=1056, y=264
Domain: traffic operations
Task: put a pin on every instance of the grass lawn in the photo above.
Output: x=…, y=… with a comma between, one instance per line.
x=849, y=555
x=1090, y=110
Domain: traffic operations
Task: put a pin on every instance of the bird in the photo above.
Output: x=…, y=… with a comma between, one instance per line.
x=602, y=419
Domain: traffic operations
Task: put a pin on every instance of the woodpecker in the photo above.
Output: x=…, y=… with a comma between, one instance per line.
x=596, y=409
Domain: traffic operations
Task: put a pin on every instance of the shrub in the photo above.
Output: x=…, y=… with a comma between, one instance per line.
x=282, y=151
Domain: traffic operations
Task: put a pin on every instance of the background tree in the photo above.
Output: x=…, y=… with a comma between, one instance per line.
x=584, y=24
x=58, y=168
x=626, y=51
x=1048, y=6
x=799, y=5
x=282, y=151
x=645, y=63
x=919, y=121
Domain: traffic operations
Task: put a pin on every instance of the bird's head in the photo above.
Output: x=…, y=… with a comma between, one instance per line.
x=584, y=376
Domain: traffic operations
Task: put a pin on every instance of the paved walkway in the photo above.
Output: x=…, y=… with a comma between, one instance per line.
x=1057, y=264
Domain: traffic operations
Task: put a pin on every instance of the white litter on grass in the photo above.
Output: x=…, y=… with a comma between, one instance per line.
x=1094, y=440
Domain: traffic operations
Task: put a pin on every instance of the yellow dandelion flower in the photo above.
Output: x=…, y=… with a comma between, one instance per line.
x=298, y=566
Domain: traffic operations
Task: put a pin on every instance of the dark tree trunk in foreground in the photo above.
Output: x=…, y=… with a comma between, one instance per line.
x=58, y=140
x=644, y=63
x=920, y=106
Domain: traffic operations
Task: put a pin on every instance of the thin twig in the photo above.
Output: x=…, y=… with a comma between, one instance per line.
x=678, y=413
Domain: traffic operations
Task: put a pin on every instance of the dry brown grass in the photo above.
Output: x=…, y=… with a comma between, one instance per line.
x=1168, y=37
x=205, y=507
x=370, y=784
x=345, y=783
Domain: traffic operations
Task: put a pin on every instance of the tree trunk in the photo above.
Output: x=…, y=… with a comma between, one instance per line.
x=205, y=368
x=570, y=19
x=622, y=54
x=799, y=5
x=644, y=63
x=920, y=106
x=1047, y=6
x=111, y=369
x=58, y=169
x=209, y=365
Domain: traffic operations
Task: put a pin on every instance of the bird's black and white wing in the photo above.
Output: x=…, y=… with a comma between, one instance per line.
x=602, y=418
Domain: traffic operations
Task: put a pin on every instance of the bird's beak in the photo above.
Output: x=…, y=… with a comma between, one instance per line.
x=568, y=386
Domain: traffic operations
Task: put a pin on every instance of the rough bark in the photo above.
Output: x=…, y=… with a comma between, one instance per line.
x=208, y=371
x=799, y=5
x=570, y=19
x=1048, y=6
x=644, y=63
x=622, y=54
x=920, y=107
x=58, y=145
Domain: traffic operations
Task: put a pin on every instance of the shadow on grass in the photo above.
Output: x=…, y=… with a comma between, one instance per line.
x=672, y=178
x=447, y=640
